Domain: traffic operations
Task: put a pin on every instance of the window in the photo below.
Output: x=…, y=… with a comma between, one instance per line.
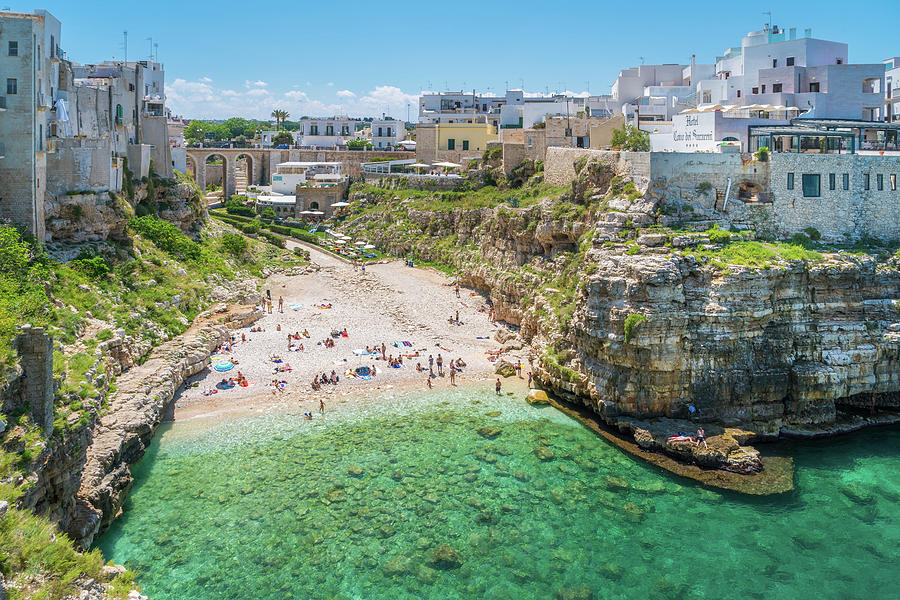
x=707, y=96
x=776, y=88
x=379, y=132
x=774, y=62
x=345, y=130
x=831, y=181
x=313, y=130
x=814, y=87
x=812, y=185
x=866, y=181
x=893, y=182
x=789, y=61
x=838, y=61
x=329, y=130
x=13, y=49
x=12, y=87
x=755, y=90
x=879, y=182
x=846, y=181
x=568, y=132
x=465, y=144
x=451, y=144
x=739, y=93
x=790, y=181
x=763, y=88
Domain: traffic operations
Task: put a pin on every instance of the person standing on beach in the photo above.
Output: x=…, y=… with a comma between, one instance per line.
x=497, y=386
x=701, y=437
x=321, y=406
x=280, y=304
x=440, y=364
x=519, y=368
x=452, y=373
x=529, y=380
x=428, y=381
x=457, y=289
x=383, y=351
x=430, y=363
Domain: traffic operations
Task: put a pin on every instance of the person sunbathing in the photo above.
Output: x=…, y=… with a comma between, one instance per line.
x=419, y=367
x=305, y=333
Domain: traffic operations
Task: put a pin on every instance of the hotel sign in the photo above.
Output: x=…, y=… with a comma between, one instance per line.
x=694, y=132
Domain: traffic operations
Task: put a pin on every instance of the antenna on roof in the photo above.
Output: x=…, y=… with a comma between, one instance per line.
x=155, y=51
x=769, y=24
x=150, y=39
x=642, y=59
x=125, y=44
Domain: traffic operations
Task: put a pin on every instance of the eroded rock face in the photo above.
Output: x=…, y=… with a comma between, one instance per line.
x=84, y=217
x=121, y=437
x=781, y=345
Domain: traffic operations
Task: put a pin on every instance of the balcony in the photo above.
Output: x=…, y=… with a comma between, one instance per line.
x=58, y=55
x=43, y=102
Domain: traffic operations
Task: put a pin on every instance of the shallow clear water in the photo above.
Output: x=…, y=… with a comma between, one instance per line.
x=269, y=509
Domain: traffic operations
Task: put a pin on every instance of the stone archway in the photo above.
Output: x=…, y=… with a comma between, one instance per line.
x=191, y=166
x=227, y=172
x=244, y=168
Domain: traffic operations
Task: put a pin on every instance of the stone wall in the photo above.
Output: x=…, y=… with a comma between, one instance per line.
x=35, y=350
x=559, y=164
x=513, y=155
x=412, y=182
x=82, y=164
x=838, y=214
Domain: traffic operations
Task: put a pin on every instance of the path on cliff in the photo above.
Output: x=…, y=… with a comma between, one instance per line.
x=386, y=303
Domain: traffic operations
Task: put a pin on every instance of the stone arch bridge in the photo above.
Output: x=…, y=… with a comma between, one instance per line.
x=261, y=162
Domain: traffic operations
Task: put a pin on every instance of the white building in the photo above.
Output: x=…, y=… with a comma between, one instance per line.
x=776, y=67
x=326, y=132
x=712, y=131
x=290, y=174
x=387, y=133
x=513, y=110
x=892, y=89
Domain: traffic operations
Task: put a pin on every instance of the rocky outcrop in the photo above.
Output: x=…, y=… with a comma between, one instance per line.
x=121, y=437
x=85, y=217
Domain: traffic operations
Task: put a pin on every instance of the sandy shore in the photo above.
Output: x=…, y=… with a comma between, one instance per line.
x=386, y=303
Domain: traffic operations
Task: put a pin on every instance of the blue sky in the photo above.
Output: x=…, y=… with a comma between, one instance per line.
x=230, y=58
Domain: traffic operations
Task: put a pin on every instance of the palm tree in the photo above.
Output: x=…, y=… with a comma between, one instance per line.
x=280, y=117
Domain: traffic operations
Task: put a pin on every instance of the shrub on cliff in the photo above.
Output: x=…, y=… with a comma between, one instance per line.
x=632, y=321
x=630, y=138
x=718, y=236
x=235, y=206
x=165, y=236
x=235, y=244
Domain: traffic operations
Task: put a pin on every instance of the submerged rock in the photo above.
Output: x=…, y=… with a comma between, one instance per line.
x=355, y=471
x=544, y=453
x=574, y=593
x=445, y=557
x=488, y=432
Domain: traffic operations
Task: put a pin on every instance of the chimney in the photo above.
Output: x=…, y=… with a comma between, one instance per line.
x=792, y=33
x=808, y=32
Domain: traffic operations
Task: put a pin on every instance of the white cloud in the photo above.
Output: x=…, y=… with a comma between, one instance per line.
x=206, y=80
x=330, y=84
x=201, y=100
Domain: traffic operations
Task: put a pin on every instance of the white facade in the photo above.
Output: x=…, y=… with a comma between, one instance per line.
x=775, y=67
x=512, y=110
x=290, y=174
x=892, y=89
x=325, y=132
x=706, y=131
x=387, y=133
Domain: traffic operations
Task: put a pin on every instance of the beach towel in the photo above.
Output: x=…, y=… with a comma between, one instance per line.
x=296, y=306
x=482, y=337
x=444, y=348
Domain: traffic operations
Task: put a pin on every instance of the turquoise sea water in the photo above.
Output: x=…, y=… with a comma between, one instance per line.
x=353, y=506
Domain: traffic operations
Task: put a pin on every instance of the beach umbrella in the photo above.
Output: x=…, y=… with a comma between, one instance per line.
x=339, y=242
x=316, y=212
x=359, y=243
x=340, y=204
x=448, y=165
x=368, y=247
x=224, y=366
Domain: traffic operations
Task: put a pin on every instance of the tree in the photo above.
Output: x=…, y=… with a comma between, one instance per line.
x=235, y=244
x=630, y=138
x=359, y=144
x=283, y=138
x=280, y=117
x=268, y=213
x=235, y=206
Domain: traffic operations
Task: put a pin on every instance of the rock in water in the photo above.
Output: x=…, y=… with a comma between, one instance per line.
x=544, y=453
x=488, y=432
x=504, y=368
x=537, y=398
x=355, y=471
x=445, y=557
x=574, y=593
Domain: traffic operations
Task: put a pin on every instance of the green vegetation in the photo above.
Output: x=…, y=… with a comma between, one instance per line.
x=753, y=254
x=359, y=144
x=235, y=206
x=718, y=236
x=268, y=213
x=166, y=236
x=485, y=197
x=762, y=155
x=632, y=321
x=283, y=139
x=630, y=138
x=235, y=244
